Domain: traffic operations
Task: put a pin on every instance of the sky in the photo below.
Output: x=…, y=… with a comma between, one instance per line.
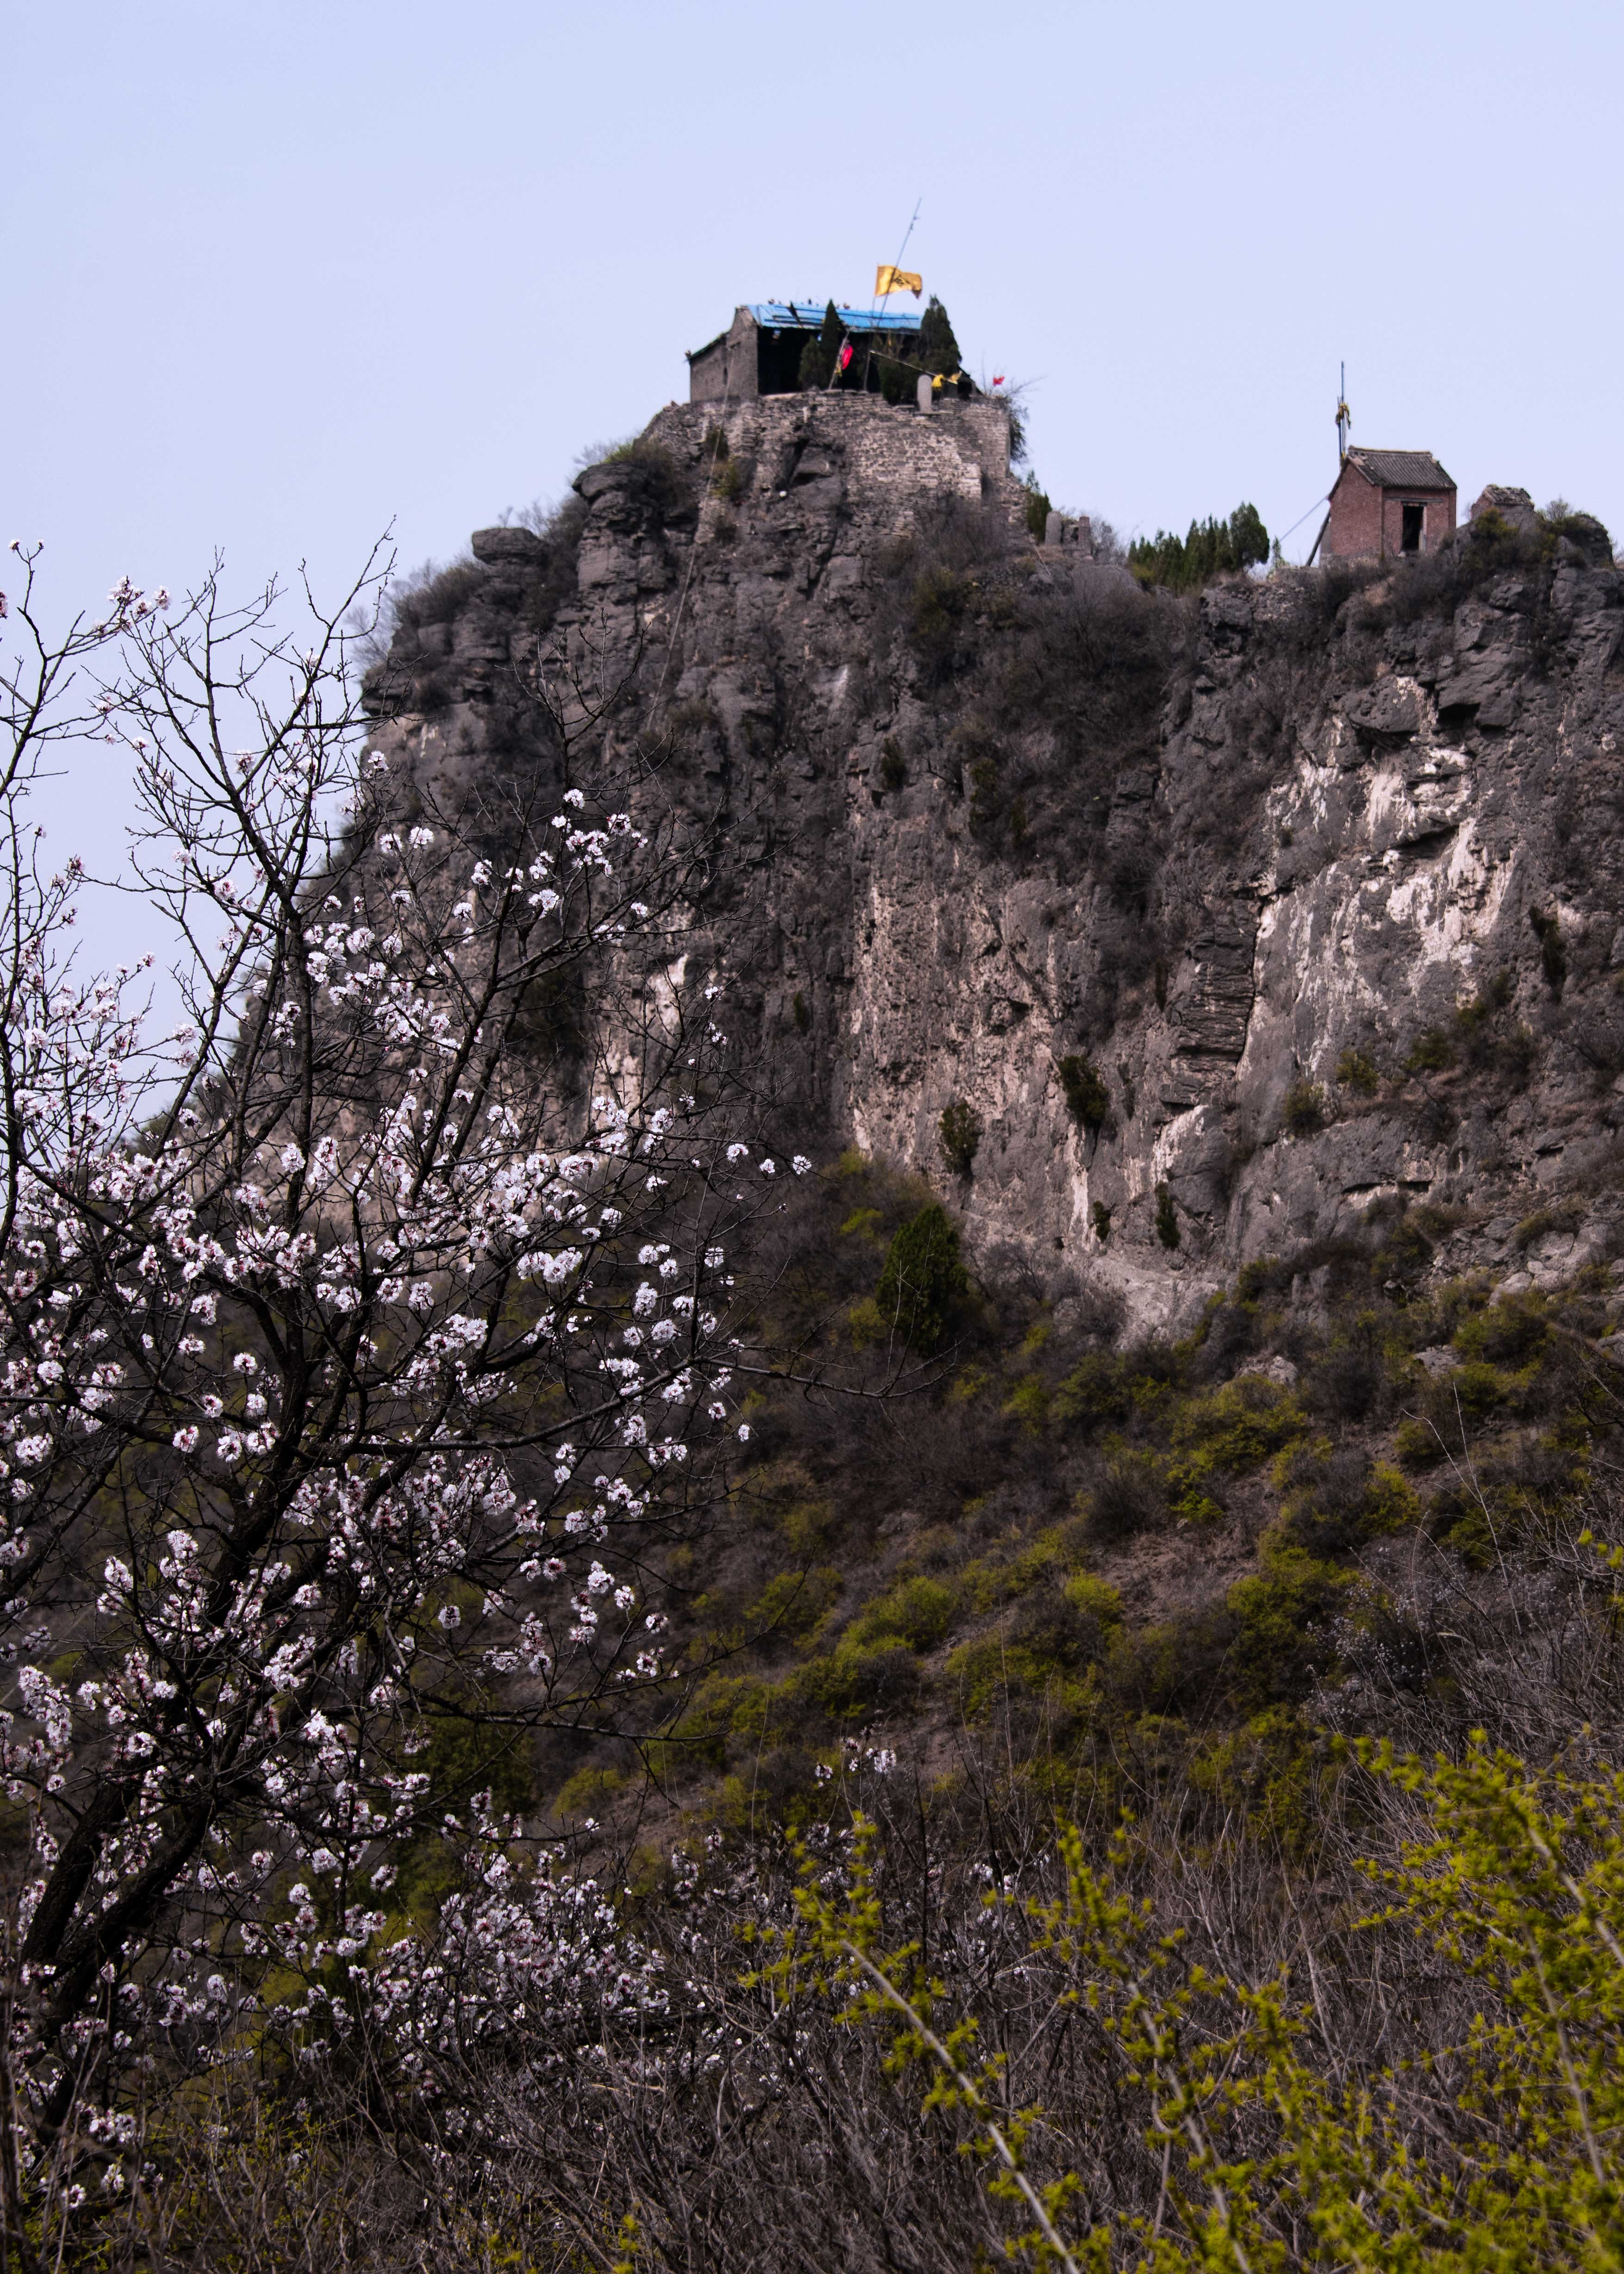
x=279, y=278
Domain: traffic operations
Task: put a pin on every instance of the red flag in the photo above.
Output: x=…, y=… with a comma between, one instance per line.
x=846, y=354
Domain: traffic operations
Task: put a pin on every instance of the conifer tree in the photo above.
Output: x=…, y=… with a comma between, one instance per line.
x=817, y=357
x=938, y=349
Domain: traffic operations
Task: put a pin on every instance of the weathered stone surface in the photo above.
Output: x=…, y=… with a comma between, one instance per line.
x=505, y=546
x=1331, y=854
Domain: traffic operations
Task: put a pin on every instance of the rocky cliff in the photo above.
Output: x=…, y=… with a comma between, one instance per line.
x=1217, y=923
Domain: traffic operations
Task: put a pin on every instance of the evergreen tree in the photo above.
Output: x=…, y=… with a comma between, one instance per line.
x=817, y=357
x=1249, y=539
x=922, y=1279
x=938, y=349
x=1038, y=507
x=1209, y=548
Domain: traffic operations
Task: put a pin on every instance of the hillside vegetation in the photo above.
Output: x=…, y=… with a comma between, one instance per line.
x=601, y=1676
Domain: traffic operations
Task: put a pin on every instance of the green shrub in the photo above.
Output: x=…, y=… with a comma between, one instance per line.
x=1167, y=1218
x=1303, y=1109
x=923, y=1280
x=1087, y=1099
x=1417, y=1445
x=1101, y=1601
x=1028, y=1403
x=1391, y=1503
x=917, y=1611
x=856, y=1681
x=800, y=1012
x=795, y=1602
x=1357, y=1071
x=1553, y=954
x=727, y=482
x=1511, y=1332
x=1285, y=1615
x=1038, y=507
x=1432, y=1051
x=1239, y=1427
x=1097, y=1390
x=893, y=765
x=1100, y=1216
x=960, y=1134
x=941, y=600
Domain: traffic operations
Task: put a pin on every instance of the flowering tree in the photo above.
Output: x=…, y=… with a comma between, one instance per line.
x=360, y=1354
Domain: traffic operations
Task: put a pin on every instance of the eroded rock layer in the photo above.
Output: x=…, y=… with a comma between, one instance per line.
x=1226, y=920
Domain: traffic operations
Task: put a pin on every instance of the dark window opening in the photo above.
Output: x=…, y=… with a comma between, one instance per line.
x=778, y=359
x=1414, y=518
x=883, y=363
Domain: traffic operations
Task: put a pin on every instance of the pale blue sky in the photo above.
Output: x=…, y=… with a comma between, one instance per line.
x=276, y=276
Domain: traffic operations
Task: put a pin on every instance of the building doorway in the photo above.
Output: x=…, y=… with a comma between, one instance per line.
x=1415, y=521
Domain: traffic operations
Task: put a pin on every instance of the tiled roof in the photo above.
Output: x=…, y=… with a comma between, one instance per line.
x=1401, y=470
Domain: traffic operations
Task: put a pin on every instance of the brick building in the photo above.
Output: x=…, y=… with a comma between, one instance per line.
x=759, y=352
x=1389, y=501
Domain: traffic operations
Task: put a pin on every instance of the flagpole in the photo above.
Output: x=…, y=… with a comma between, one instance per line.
x=876, y=306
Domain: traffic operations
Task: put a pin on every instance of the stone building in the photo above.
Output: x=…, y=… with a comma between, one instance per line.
x=1389, y=501
x=759, y=352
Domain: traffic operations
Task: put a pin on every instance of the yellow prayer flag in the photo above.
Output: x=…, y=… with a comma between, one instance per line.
x=896, y=280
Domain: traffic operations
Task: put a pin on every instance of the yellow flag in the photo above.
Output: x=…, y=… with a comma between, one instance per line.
x=896, y=280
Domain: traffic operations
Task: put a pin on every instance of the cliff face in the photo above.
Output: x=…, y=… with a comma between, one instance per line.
x=1319, y=880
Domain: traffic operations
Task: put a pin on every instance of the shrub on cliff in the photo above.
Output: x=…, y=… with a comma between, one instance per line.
x=1087, y=1099
x=960, y=1133
x=922, y=1281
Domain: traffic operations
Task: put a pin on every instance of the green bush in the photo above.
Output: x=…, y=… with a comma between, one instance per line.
x=795, y=1602
x=1100, y=1216
x=1285, y=1613
x=917, y=1611
x=1417, y=1445
x=923, y=1280
x=1099, y=1389
x=1553, y=954
x=1239, y=1427
x=1038, y=507
x=1391, y=1503
x=1303, y=1109
x=1357, y=1071
x=1167, y=1218
x=960, y=1134
x=893, y=765
x=1432, y=1051
x=1087, y=1099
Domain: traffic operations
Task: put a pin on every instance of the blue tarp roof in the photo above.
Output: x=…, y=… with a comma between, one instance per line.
x=808, y=315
